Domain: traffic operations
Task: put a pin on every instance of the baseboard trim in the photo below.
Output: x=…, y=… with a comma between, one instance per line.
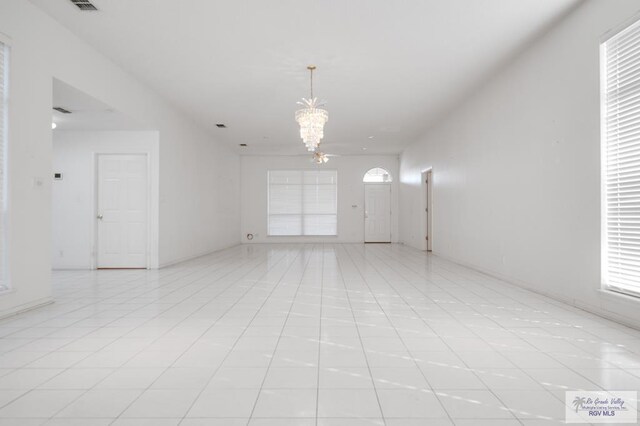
x=595, y=310
x=25, y=307
x=194, y=256
x=287, y=241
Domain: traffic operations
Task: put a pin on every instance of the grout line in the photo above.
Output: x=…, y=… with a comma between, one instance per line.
x=364, y=351
x=284, y=324
x=241, y=334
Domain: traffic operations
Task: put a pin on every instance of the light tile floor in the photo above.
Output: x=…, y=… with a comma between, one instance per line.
x=318, y=334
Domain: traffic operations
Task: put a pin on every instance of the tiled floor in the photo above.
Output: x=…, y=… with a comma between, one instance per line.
x=328, y=335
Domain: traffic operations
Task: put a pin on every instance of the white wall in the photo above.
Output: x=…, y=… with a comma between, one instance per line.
x=74, y=197
x=199, y=196
x=517, y=169
x=192, y=220
x=351, y=169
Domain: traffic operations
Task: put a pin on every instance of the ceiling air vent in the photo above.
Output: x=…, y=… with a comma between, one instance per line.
x=221, y=126
x=85, y=5
x=62, y=110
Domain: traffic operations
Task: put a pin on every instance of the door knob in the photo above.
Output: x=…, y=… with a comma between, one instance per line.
x=99, y=217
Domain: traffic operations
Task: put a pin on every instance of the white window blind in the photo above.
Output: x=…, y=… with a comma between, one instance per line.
x=621, y=160
x=4, y=69
x=303, y=202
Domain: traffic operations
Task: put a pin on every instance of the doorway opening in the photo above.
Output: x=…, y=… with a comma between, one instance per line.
x=105, y=185
x=427, y=208
x=377, y=206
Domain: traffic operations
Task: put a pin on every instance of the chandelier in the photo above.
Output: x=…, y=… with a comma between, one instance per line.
x=311, y=119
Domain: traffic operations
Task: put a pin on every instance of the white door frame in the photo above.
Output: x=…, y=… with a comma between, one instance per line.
x=364, y=212
x=96, y=195
x=427, y=209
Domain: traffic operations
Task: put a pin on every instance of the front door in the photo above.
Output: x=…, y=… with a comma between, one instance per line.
x=377, y=215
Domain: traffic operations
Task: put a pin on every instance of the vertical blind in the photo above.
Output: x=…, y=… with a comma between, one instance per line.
x=3, y=166
x=303, y=202
x=621, y=160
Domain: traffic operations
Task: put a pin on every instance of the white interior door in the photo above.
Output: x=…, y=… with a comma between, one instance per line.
x=122, y=211
x=377, y=215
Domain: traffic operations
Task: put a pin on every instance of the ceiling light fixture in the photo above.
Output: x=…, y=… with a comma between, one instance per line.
x=319, y=157
x=53, y=125
x=311, y=118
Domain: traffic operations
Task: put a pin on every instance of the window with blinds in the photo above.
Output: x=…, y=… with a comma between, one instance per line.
x=621, y=160
x=4, y=70
x=303, y=202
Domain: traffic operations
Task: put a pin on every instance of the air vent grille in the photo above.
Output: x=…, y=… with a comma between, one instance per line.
x=62, y=110
x=221, y=126
x=85, y=5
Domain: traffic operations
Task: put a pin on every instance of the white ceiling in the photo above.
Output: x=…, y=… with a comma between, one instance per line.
x=386, y=69
x=87, y=113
